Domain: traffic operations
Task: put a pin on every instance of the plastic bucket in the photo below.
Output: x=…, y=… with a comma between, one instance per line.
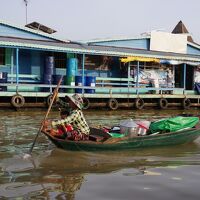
x=91, y=82
x=70, y=80
x=79, y=82
x=3, y=79
x=128, y=127
x=143, y=126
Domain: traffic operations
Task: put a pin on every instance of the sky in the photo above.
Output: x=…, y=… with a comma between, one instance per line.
x=94, y=19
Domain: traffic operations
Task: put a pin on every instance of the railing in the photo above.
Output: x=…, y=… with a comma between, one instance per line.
x=106, y=90
x=104, y=85
x=28, y=78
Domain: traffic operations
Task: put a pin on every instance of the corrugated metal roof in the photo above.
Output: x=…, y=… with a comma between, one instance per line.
x=33, y=31
x=194, y=45
x=113, y=39
x=92, y=49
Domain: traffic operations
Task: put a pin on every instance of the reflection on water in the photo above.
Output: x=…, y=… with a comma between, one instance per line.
x=51, y=173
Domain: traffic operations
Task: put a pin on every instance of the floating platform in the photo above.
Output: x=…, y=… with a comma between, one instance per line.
x=112, y=98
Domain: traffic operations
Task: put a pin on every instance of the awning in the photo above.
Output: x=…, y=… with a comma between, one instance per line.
x=141, y=59
x=156, y=60
x=176, y=62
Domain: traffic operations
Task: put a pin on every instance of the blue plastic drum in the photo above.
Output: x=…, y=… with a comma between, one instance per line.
x=48, y=79
x=3, y=79
x=72, y=67
x=49, y=65
x=91, y=82
x=79, y=82
x=49, y=70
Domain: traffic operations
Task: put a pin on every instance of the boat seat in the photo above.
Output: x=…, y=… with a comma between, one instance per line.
x=99, y=132
x=96, y=138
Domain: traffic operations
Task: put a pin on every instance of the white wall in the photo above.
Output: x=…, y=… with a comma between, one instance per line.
x=168, y=42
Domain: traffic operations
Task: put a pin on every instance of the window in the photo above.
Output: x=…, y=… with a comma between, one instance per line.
x=96, y=62
x=2, y=56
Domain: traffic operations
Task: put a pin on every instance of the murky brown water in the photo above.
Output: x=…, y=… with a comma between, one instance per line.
x=158, y=173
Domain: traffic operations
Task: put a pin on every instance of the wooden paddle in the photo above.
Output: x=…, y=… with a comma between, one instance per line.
x=55, y=92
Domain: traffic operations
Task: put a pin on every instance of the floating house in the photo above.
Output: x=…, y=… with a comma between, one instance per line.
x=156, y=69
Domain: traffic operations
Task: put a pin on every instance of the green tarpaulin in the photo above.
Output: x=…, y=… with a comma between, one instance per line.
x=173, y=124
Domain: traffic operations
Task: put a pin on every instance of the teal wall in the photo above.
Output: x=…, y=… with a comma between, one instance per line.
x=140, y=44
x=30, y=63
x=24, y=62
x=37, y=63
x=129, y=43
x=193, y=50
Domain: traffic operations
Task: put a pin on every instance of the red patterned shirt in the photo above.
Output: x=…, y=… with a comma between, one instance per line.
x=77, y=120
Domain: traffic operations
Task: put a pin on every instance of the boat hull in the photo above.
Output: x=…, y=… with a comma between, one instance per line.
x=167, y=139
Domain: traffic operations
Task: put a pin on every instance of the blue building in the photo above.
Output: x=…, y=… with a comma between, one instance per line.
x=31, y=62
x=144, y=41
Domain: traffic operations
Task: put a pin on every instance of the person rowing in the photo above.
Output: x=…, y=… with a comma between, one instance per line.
x=80, y=129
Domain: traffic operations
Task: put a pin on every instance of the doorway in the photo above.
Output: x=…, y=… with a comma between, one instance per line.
x=179, y=77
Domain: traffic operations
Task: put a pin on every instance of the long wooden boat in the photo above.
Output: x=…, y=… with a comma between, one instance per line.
x=124, y=143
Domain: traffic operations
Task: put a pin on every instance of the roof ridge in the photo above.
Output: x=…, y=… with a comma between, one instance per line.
x=32, y=31
x=116, y=39
x=181, y=28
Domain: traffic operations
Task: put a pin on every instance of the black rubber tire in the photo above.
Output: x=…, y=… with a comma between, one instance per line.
x=186, y=103
x=163, y=103
x=17, y=101
x=139, y=103
x=48, y=100
x=86, y=103
x=113, y=104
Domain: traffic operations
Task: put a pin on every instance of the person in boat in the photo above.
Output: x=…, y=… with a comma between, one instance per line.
x=75, y=118
x=63, y=130
x=63, y=105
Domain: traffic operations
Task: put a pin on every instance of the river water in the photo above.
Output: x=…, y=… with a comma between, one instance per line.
x=51, y=173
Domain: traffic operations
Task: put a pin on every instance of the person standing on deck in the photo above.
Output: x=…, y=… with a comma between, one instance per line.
x=76, y=119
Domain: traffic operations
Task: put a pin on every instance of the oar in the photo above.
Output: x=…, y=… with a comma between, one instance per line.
x=55, y=92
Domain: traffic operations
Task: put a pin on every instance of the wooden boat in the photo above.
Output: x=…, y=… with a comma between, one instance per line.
x=124, y=143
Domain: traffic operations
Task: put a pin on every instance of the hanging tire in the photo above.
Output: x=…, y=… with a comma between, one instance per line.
x=113, y=104
x=163, y=103
x=186, y=103
x=86, y=103
x=48, y=101
x=17, y=101
x=139, y=103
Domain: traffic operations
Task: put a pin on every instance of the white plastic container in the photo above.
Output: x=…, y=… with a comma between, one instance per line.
x=143, y=126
